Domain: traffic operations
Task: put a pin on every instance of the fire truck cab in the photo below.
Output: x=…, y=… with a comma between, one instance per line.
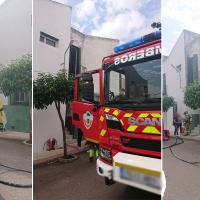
x=126, y=122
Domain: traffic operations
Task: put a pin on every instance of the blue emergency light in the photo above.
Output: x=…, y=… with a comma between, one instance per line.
x=141, y=40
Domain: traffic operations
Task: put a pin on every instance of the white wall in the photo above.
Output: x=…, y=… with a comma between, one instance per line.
x=15, y=32
x=93, y=50
x=177, y=57
x=191, y=49
x=53, y=19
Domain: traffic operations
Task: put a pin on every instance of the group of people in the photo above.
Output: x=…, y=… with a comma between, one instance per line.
x=179, y=121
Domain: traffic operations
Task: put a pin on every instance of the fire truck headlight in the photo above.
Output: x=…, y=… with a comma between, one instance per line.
x=111, y=117
x=105, y=154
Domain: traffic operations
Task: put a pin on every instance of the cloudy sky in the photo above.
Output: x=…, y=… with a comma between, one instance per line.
x=116, y=19
x=176, y=16
x=1, y=1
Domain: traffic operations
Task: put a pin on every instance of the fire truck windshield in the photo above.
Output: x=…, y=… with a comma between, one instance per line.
x=134, y=83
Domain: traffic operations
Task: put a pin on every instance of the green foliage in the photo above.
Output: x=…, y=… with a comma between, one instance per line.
x=192, y=95
x=48, y=88
x=168, y=102
x=120, y=96
x=17, y=76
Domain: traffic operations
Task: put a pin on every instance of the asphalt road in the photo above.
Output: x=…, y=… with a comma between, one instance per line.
x=183, y=179
x=79, y=180
x=14, y=153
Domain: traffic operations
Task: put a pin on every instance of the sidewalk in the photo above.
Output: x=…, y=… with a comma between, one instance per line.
x=47, y=156
x=189, y=137
x=14, y=135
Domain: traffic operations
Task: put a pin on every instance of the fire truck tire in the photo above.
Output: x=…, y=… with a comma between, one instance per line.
x=90, y=159
x=109, y=181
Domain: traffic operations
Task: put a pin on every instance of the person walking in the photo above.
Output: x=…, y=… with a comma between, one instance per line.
x=176, y=124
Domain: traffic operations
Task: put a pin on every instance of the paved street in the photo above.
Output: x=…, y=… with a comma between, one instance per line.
x=79, y=180
x=183, y=180
x=14, y=153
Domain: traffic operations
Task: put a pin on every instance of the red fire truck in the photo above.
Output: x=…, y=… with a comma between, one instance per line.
x=126, y=121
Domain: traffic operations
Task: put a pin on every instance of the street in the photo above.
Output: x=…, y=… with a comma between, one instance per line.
x=79, y=180
x=182, y=179
x=15, y=154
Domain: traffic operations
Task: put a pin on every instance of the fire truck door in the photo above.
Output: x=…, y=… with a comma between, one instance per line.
x=87, y=120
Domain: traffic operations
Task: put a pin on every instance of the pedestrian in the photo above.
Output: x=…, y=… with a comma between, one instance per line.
x=180, y=123
x=176, y=124
x=79, y=139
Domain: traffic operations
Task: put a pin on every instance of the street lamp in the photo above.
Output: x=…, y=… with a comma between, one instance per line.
x=70, y=44
x=179, y=74
x=156, y=25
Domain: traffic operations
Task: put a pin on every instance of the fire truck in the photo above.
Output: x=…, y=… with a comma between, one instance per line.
x=126, y=121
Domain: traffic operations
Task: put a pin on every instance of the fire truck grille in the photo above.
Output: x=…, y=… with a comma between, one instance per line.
x=114, y=125
x=151, y=145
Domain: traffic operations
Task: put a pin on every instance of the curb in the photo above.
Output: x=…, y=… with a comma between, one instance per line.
x=26, y=143
x=55, y=157
x=185, y=138
x=14, y=138
x=64, y=160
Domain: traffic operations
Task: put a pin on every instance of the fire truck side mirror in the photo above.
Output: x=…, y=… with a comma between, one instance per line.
x=88, y=91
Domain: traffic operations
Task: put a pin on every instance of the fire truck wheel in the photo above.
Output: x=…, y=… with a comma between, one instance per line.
x=109, y=181
x=90, y=159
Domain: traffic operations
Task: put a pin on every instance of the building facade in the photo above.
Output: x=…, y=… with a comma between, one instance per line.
x=51, y=35
x=16, y=41
x=181, y=68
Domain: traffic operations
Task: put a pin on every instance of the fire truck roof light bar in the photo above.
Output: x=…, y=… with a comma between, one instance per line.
x=138, y=41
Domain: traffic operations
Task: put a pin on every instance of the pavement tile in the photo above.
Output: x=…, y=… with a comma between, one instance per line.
x=14, y=135
x=47, y=156
x=189, y=137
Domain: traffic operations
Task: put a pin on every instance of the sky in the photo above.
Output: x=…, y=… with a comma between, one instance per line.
x=176, y=16
x=128, y=19
x=116, y=19
x=1, y=1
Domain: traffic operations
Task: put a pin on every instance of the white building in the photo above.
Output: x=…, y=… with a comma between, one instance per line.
x=185, y=57
x=51, y=36
x=15, y=41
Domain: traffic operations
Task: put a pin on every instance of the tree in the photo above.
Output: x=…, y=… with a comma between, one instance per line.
x=57, y=89
x=17, y=77
x=192, y=95
x=168, y=102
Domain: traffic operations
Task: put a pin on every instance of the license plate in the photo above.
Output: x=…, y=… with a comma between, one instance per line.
x=144, y=179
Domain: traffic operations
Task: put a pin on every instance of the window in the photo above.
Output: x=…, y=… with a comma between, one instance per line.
x=41, y=39
x=164, y=85
x=19, y=98
x=74, y=60
x=48, y=39
x=50, y=42
x=122, y=82
x=192, y=65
